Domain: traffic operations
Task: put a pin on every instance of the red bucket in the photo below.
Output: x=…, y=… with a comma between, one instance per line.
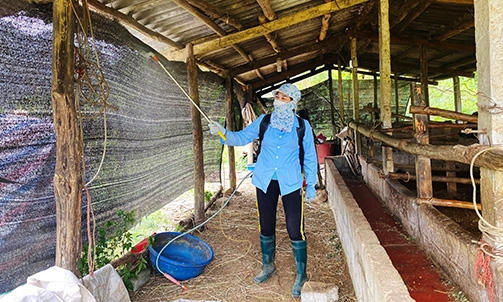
x=325, y=149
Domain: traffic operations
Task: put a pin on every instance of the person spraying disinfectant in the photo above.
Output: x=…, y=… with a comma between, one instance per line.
x=284, y=154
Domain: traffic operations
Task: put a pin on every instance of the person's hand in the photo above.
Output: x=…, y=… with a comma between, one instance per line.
x=310, y=193
x=215, y=127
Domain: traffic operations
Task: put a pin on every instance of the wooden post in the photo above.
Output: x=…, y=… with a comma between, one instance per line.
x=341, y=95
x=385, y=82
x=457, y=95
x=423, y=163
x=423, y=60
x=374, y=116
x=228, y=118
x=356, y=95
x=452, y=188
x=197, y=134
x=397, y=101
x=68, y=182
x=331, y=92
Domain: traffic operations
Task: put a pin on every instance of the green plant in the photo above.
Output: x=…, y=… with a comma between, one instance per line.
x=113, y=241
x=207, y=195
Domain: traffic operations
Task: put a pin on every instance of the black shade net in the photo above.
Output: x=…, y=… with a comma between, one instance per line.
x=148, y=160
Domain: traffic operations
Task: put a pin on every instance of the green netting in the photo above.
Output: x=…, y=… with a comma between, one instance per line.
x=149, y=148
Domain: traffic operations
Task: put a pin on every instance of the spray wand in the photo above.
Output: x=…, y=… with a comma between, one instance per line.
x=222, y=136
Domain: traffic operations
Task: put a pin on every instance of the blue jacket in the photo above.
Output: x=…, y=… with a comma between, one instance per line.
x=279, y=153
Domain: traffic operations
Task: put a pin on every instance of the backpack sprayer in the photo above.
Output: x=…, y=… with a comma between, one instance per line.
x=186, y=94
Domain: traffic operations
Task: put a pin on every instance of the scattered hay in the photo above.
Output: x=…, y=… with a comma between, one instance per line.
x=234, y=237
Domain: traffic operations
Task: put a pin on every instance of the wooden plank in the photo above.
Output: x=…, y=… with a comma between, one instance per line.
x=68, y=182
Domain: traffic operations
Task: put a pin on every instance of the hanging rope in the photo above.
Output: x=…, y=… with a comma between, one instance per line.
x=92, y=91
x=490, y=246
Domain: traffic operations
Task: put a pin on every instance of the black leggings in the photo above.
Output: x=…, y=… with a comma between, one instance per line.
x=293, y=206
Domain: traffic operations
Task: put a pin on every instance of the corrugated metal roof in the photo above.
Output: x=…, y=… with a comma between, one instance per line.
x=449, y=37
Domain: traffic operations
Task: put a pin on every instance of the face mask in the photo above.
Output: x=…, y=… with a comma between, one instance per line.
x=278, y=103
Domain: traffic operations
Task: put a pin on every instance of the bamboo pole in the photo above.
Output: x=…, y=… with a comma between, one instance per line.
x=449, y=203
x=492, y=159
x=68, y=182
x=444, y=113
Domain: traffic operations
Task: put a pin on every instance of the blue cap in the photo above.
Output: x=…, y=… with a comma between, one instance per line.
x=290, y=90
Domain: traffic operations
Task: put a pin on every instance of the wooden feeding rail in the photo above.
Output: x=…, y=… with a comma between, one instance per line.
x=492, y=159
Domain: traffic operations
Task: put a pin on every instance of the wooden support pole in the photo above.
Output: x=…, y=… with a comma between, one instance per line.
x=423, y=163
x=457, y=94
x=228, y=118
x=355, y=90
x=68, y=182
x=423, y=60
x=197, y=134
x=451, y=173
x=397, y=101
x=385, y=80
x=332, y=111
x=374, y=115
x=342, y=122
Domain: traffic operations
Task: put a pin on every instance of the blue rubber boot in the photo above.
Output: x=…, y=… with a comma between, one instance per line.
x=299, y=249
x=268, y=246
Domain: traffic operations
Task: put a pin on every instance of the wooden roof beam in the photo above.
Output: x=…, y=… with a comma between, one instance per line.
x=266, y=7
x=131, y=22
x=339, y=41
x=419, y=9
x=274, y=44
x=275, y=25
x=465, y=22
x=215, y=13
x=414, y=41
x=211, y=24
x=309, y=65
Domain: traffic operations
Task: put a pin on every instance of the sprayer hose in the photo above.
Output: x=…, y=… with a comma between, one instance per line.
x=201, y=224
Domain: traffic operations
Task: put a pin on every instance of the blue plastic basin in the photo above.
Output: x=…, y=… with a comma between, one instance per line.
x=183, y=259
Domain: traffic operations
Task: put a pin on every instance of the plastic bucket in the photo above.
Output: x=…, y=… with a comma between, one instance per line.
x=325, y=149
x=183, y=259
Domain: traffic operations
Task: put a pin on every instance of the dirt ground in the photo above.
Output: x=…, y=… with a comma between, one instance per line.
x=234, y=238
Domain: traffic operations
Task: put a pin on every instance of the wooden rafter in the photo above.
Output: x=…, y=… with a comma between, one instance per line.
x=215, y=13
x=415, y=41
x=420, y=8
x=211, y=24
x=132, y=23
x=275, y=25
x=266, y=7
x=289, y=54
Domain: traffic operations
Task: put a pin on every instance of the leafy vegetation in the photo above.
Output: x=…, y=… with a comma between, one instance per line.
x=113, y=241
